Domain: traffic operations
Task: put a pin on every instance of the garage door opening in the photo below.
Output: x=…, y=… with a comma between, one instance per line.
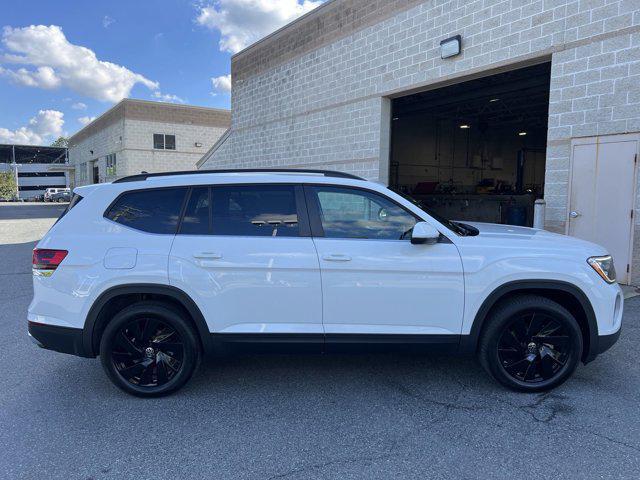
x=475, y=150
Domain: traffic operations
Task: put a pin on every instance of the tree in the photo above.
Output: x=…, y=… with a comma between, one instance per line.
x=61, y=142
x=7, y=185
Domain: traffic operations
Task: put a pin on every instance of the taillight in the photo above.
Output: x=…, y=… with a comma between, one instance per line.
x=45, y=261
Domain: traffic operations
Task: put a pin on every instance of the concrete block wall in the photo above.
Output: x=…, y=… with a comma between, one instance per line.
x=104, y=142
x=281, y=108
x=139, y=154
x=595, y=90
x=316, y=93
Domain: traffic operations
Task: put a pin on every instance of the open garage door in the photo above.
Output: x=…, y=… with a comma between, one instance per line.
x=475, y=150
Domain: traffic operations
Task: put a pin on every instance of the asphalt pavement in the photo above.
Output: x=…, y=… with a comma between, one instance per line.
x=301, y=417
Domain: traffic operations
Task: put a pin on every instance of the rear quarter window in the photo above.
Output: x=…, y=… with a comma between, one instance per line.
x=153, y=210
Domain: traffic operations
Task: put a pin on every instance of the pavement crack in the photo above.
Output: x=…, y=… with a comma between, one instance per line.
x=448, y=405
x=329, y=463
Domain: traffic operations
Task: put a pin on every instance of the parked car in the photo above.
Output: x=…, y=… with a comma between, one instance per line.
x=153, y=271
x=52, y=191
x=60, y=197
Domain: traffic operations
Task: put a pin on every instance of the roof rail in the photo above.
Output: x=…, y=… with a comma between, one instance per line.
x=327, y=173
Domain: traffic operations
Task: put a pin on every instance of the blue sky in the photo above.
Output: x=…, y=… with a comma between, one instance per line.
x=64, y=62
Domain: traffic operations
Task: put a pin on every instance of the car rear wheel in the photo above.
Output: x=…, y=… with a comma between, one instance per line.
x=531, y=344
x=149, y=349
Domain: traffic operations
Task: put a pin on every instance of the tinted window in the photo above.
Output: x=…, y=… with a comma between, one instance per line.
x=170, y=142
x=154, y=211
x=158, y=140
x=255, y=210
x=352, y=213
x=196, y=215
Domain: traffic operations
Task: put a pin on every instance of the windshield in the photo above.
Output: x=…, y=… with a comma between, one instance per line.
x=457, y=227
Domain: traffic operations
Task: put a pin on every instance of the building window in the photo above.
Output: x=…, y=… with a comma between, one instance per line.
x=110, y=165
x=82, y=172
x=164, y=142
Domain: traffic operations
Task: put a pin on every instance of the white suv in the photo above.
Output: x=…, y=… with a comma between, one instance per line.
x=153, y=271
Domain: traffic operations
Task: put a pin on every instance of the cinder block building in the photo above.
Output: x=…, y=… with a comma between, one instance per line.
x=477, y=108
x=137, y=135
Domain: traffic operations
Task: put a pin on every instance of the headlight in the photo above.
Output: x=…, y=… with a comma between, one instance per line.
x=604, y=267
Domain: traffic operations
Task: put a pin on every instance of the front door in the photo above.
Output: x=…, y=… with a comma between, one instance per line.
x=375, y=282
x=601, y=203
x=245, y=254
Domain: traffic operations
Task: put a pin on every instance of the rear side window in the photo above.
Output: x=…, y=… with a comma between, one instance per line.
x=255, y=210
x=153, y=211
x=75, y=199
x=197, y=215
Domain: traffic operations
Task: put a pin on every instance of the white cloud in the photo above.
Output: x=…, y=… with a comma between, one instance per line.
x=86, y=120
x=107, y=21
x=242, y=22
x=79, y=106
x=165, y=97
x=222, y=84
x=57, y=63
x=43, y=77
x=41, y=129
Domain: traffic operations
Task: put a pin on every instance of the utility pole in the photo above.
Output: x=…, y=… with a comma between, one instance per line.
x=15, y=169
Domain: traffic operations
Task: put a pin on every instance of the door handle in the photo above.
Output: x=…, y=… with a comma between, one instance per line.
x=208, y=255
x=336, y=257
x=574, y=214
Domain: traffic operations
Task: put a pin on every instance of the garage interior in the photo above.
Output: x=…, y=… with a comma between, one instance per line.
x=476, y=150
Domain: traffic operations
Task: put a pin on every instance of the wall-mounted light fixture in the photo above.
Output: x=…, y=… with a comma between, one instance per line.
x=451, y=47
x=198, y=144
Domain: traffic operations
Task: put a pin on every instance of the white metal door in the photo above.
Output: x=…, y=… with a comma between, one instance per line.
x=602, y=192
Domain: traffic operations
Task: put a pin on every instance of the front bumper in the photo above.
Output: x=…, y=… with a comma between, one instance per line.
x=59, y=339
x=605, y=342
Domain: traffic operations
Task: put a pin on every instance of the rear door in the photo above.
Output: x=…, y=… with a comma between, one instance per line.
x=377, y=286
x=245, y=254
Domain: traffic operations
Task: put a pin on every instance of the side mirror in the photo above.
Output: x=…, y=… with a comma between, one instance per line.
x=424, y=233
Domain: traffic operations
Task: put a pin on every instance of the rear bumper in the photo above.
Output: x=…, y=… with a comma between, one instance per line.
x=59, y=339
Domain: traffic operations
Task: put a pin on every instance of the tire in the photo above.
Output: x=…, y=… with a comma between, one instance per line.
x=149, y=349
x=530, y=344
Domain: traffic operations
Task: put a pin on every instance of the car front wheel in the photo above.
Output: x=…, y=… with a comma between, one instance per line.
x=531, y=344
x=149, y=349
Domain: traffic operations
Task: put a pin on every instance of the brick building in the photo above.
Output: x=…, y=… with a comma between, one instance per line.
x=138, y=135
x=543, y=100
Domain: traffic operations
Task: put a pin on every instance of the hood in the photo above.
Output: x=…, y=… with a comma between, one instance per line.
x=533, y=237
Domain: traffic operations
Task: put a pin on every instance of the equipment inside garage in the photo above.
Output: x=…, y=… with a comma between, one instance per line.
x=475, y=150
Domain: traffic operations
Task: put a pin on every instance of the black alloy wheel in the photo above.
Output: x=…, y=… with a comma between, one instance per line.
x=534, y=347
x=149, y=349
x=530, y=343
x=148, y=353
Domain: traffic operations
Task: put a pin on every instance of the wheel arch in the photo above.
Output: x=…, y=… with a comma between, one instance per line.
x=566, y=294
x=115, y=298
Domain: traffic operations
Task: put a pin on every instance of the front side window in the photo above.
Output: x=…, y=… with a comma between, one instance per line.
x=354, y=213
x=153, y=211
x=255, y=210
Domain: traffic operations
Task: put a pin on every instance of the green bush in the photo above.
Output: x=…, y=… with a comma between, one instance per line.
x=7, y=186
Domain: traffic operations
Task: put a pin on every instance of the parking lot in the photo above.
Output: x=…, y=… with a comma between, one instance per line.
x=289, y=417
